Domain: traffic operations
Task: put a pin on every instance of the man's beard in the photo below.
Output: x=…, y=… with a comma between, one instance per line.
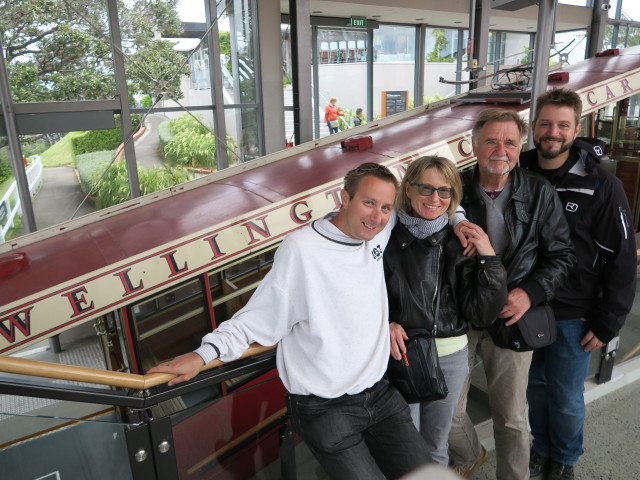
x=548, y=154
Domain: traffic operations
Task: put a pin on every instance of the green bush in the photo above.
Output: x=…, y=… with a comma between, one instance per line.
x=90, y=166
x=146, y=101
x=5, y=171
x=192, y=149
x=34, y=147
x=100, y=140
x=188, y=143
x=114, y=186
x=164, y=134
x=161, y=178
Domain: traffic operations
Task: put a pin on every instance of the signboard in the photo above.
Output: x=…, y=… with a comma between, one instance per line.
x=394, y=101
x=358, y=22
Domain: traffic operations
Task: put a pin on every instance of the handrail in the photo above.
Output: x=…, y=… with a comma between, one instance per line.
x=36, y=368
x=34, y=177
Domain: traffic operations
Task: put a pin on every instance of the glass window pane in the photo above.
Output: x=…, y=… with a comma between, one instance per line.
x=393, y=69
x=232, y=288
x=441, y=48
x=633, y=38
x=58, y=54
x=579, y=3
x=630, y=10
x=514, y=49
x=571, y=47
x=242, y=134
x=236, y=19
x=342, y=73
x=170, y=324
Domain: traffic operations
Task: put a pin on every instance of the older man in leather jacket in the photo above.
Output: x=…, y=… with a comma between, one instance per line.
x=525, y=222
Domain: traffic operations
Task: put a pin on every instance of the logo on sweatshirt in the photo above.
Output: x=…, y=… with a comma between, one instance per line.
x=377, y=253
x=598, y=150
x=571, y=207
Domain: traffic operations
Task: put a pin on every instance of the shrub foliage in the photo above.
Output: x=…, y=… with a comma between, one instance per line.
x=189, y=143
x=100, y=140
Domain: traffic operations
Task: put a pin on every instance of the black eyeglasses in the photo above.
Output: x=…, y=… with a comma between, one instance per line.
x=427, y=190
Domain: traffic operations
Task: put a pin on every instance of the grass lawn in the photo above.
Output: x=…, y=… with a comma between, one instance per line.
x=61, y=153
x=4, y=186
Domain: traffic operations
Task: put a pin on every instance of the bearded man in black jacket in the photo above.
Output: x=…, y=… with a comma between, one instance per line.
x=591, y=306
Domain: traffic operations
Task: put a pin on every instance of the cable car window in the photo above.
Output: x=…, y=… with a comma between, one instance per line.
x=232, y=288
x=171, y=323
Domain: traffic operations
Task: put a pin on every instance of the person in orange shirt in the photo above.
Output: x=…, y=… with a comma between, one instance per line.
x=331, y=114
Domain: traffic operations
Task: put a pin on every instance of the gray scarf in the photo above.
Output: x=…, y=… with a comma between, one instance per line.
x=421, y=228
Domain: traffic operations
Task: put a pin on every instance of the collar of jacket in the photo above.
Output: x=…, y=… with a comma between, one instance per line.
x=405, y=237
x=579, y=169
x=472, y=195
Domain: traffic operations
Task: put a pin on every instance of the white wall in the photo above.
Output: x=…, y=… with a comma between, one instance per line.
x=347, y=82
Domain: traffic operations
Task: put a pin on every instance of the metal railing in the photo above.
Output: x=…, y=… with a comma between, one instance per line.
x=10, y=206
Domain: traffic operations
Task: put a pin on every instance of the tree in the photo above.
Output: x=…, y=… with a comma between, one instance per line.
x=60, y=49
x=441, y=44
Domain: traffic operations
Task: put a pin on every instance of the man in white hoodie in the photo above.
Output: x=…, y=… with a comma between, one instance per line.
x=324, y=303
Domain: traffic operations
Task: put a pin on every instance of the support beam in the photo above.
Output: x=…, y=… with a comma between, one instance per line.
x=480, y=15
x=272, y=96
x=215, y=74
x=599, y=16
x=123, y=97
x=419, y=63
x=544, y=37
x=28, y=217
x=301, y=61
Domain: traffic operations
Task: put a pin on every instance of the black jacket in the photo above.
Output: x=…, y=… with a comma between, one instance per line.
x=540, y=254
x=602, y=287
x=472, y=289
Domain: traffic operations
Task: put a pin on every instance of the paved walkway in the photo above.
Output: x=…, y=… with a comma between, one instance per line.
x=59, y=198
x=611, y=437
x=61, y=195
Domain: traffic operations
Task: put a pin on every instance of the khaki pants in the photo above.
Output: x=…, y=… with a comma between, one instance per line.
x=507, y=376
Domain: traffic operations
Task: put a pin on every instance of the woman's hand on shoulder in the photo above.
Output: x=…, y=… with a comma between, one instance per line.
x=482, y=243
x=477, y=237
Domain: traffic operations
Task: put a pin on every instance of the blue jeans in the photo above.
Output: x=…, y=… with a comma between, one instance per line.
x=555, y=394
x=368, y=435
x=434, y=419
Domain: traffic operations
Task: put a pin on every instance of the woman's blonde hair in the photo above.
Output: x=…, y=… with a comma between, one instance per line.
x=443, y=165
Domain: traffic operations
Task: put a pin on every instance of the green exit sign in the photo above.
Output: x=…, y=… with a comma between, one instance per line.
x=358, y=22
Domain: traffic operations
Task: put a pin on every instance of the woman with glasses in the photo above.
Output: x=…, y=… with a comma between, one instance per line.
x=431, y=285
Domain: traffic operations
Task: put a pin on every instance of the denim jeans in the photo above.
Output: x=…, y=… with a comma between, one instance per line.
x=365, y=436
x=507, y=376
x=332, y=129
x=433, y=419
x=555, y=394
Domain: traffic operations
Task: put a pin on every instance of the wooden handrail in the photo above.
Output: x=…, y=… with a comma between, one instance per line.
x=35, y=368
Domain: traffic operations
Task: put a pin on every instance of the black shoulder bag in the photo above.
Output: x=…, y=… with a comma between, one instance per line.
x=418, y=376
x=536, y=329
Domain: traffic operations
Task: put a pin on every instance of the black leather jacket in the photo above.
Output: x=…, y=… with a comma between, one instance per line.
x=603, y=286
x=540, y=253
x=472, y=289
